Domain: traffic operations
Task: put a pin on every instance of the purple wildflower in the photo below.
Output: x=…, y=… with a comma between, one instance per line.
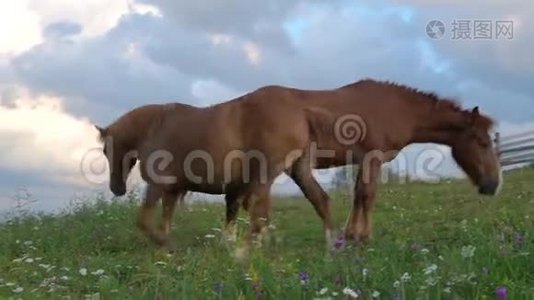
x=218, y=287
x=338, y=281
x=518, y=238
x=304, y=277
x=501, y=293
x=339, y=242
x=258, y=290
x=397, y=297
x=415, y=247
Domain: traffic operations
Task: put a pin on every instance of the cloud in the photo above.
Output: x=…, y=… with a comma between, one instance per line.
x=42, y=140
x=102, y=75
x=19, y=28
x=211, y=91
x=497, y=64
x=96, y=17
x=62, y=29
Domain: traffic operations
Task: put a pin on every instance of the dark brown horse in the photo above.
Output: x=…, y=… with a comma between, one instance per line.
x=373, y=121
x=235, y=148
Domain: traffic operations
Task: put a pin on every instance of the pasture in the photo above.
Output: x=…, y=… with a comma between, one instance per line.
x=431, y=241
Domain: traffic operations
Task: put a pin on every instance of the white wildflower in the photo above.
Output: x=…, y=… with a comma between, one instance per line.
x=216, y=229
x=48, y=268
x=365, y=272
x=18, y=260
x=160, y=263
x=396, y=284
x=29, y=260
x=424, y=251
x=375, y=294
x=447, y=290
x=28, y=243
x=93, y=296
x=430, y=269
x=65, y=278
x=323, y=291
x=209, y=236
x=83, y=272
x=98, y=272
x=349, y=292
x=406, y=277
x=431, y=281
x=463, y=224
x=468, y=251
x=10, y=284
x=18, y=290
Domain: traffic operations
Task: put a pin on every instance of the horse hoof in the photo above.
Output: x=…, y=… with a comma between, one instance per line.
x=170, y=248
x=363, y=240
x=350, y=237
x=241, y=254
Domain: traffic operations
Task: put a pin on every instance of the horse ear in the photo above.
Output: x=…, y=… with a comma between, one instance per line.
x=475, y=114
x=101, y=131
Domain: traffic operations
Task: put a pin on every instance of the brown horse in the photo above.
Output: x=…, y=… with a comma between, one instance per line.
x=235, y=148
x=122, y=140
x=373, y=121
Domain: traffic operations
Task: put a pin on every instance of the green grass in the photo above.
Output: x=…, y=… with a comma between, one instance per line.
x=419, y=232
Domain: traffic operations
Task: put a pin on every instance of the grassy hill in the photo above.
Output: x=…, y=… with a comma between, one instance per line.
x=431, y=241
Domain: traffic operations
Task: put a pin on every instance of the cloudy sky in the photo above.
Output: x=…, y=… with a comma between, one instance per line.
x=66, y=64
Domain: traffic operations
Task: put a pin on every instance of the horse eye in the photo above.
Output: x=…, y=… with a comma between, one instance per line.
x=484, y=143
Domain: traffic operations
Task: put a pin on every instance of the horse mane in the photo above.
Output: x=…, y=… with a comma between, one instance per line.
x=438, y=103
x=124, y=124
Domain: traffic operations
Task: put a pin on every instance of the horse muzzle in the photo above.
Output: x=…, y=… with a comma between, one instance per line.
x=489, y=187
x=118, y=190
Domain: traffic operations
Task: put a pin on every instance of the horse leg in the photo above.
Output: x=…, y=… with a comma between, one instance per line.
x=259, y=212
x=146, y=213
x=169, y=204
x=359, y=222
x=301, y=174
x=232, y=208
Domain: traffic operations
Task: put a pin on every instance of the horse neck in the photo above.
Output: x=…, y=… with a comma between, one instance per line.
x=438, y=126
x=134, y=130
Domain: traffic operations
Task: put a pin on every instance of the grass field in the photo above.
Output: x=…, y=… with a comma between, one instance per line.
x=431, y=241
